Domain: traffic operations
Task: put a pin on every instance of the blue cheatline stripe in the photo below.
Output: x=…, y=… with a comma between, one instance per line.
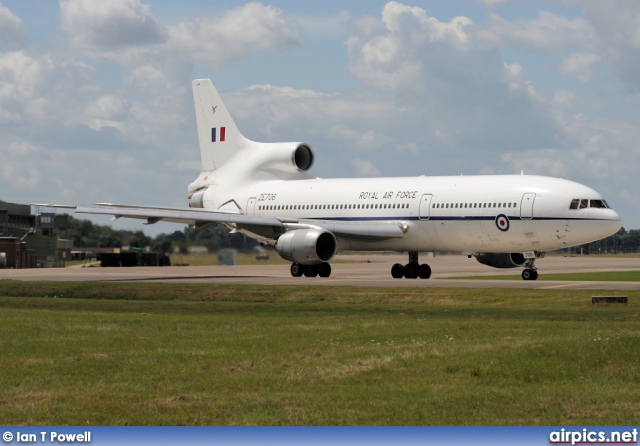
x=449, y=218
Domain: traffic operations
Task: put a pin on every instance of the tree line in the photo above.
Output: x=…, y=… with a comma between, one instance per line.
x=623, y=242
x=214, y=236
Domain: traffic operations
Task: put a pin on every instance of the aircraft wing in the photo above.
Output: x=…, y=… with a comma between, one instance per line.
x=267, y=227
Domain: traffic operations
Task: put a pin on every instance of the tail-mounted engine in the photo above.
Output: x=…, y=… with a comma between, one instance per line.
x=197, y=199
x=302, y=157
x=288, y=158
x=307, y=246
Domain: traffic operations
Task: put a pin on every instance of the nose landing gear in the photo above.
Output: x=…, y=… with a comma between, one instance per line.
x=530, y=272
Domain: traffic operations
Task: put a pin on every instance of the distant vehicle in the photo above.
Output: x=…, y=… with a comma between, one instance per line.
x=264, y=190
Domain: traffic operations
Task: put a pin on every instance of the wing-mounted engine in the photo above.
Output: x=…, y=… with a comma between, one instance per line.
x=307, y=246
x=501, y=260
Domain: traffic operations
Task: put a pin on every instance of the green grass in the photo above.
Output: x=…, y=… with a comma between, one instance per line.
x=601, y=276
x=171, y=354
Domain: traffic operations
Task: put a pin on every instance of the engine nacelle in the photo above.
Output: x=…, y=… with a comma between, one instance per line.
x=307, y=246
x=303, y=157
x=197, y=199
x=501, y=260
x=292, y=157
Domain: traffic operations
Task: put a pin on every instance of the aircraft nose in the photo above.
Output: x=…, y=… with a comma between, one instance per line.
x=612, y=224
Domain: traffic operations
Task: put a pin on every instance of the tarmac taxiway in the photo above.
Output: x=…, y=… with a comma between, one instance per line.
x=361, y=270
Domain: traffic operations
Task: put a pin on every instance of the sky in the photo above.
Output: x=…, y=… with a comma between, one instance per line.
x=96, y=102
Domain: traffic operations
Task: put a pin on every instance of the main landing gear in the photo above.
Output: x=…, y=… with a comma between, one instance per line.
x=530, y=272
x=322, y=270
x=411, y=270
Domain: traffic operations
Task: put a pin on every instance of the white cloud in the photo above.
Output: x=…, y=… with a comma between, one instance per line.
x=387, y=53
x=242, y=30
x=12, y=31
x=516, y=79
x=493, y=2
x=365, y=168
x=452, y=85
x=563, y=98
x=579, y=65
x=618, y=31
x=547, y=32
x=111, y=25
x=128, y=32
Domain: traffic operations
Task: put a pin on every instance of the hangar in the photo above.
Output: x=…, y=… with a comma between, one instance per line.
x=31, y=241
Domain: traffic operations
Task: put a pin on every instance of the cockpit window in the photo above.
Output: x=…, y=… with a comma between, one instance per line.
x=600, y=204
x=584, y=203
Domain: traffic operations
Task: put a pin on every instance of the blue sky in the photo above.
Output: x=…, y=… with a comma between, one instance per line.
x=95, y=100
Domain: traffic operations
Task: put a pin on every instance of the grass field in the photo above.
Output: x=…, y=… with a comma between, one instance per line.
x=81, y=353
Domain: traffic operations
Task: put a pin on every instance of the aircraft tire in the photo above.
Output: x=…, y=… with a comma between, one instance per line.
x=324, y=270
x=424, y=271
x=411, y=270
x=310, y=270
x=297, y=270
x=397, y=271
x=529, y=274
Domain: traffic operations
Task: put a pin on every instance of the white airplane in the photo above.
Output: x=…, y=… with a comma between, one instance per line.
x=264, y=191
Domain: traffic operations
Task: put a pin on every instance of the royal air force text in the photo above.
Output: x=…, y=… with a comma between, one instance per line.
x=399, y=195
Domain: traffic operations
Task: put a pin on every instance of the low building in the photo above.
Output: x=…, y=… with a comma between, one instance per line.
x=30, y=241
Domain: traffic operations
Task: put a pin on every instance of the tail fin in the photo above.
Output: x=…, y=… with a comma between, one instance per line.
x=218, y=135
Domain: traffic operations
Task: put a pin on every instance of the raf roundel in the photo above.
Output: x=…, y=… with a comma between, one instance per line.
x=502, y=222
